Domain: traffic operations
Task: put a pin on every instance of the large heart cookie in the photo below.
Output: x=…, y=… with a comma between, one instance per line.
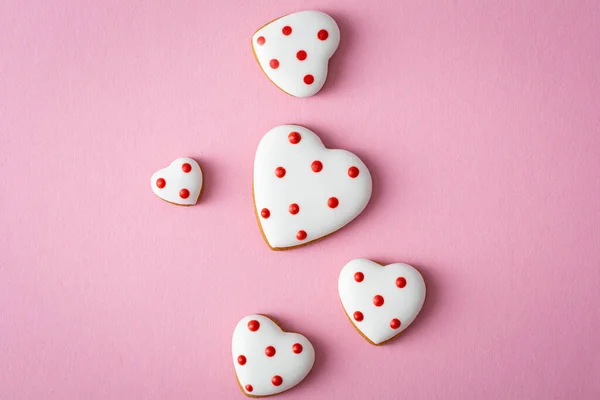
x=381, y=301
x=294, y=51
x=304, y=191
x=180, y=183
x=267, y=359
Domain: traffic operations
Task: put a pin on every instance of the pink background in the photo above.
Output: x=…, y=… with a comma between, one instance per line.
x=480, y=122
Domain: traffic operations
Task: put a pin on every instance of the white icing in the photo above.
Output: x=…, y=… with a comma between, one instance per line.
x=176, y=180
x=305, y=27
x=259, y=369
x=403, y=304
x=302, y=186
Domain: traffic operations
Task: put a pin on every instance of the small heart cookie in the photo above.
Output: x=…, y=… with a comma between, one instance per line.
x=381, y=301
x=304, y=191
x=267, y=359
x=294, y=51
x=180, y=183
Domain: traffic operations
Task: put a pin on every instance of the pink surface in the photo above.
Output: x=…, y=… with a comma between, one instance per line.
x=480, y=122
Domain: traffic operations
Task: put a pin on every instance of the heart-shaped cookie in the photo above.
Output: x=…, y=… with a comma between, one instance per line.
x=304, y=191
x=180, y=183
x=267, y=359
x=294, y=51
x=381, y=301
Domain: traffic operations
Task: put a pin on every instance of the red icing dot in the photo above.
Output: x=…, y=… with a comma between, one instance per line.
x=184, y=193
x=294, y=138
x=301, y=235
x=316, y=166
x=249, y=388
x=253, y=325
x=242, y=360
x=160, y=183
x=353, y=172
x=323, y=34
x=270, y=351
x=378, y=300
x=358, y=316
x=359, y=277
x=274, y=63
x=186, y=168
x=260, y=40
x=297, y=348
x=276, y=380
x=301, y=55
x=309, y=79
x=294, y=208
x=333, y=202
x=395, y=323
x=280, y=172
x=287, y=30
x=265, y=213
x=401, y=282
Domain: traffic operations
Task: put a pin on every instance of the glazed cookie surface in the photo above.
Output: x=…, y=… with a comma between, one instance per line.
x=180, y=183
x=381, y=301
x=294, y=51
x=304, y=191
x=267, y=359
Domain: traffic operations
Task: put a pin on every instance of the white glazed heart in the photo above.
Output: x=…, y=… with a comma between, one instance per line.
x=381, y=301
x=180, y=183
x=304, y=191
x=294, y=51
x=267, y=359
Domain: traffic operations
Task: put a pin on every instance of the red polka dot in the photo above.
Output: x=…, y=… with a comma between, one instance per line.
x=287, y=30
x=265, y=213
x=333, y=202
x=280, y=172
x=253, y=325
x=260, y=40
x=353, y=172
x=249, y=388
x=358, y=316
x=395, y=323
x=270, y=351
x=160, y=183
x=309, y=79
x=294, y=209
x=184, y=193
x=242, y=360
x=316, y=166
x=301, y=55
x=359, y=277
x=301, y=235
x=274, y=63
x=297, y=348
x=323, y=34
x=186, y=168
x=294, y=138
x=401, y=282
x=378, y=300
x=276, y=380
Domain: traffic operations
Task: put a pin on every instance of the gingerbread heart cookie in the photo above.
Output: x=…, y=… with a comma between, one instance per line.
x=294, y=51
x=180, y=183
x=381, y=301
x=304, y=191
x=268, y=360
